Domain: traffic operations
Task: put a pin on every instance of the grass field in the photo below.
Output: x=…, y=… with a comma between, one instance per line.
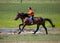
x=8, y=12
x=30, y=37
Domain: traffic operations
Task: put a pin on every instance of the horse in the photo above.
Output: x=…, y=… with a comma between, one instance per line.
x=37, y=20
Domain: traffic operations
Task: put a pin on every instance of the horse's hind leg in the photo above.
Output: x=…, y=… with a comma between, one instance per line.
x=37, y=28
x=45, y=28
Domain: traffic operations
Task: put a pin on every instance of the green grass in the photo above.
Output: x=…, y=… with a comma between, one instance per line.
x=30, y=37
x=8, y=12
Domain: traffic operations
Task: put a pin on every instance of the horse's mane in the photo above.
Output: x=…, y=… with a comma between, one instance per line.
x=24, y=15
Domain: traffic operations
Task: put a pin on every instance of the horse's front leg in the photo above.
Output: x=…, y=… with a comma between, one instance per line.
x=21, y=29
x=20, y=26
x=37, y=28
x=18, y=29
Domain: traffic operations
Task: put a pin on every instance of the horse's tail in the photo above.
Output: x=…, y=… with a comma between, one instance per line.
x=46, y=19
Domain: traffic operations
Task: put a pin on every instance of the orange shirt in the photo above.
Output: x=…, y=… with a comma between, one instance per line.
x=31, y=12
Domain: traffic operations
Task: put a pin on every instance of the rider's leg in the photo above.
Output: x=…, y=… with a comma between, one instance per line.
x=31, y=19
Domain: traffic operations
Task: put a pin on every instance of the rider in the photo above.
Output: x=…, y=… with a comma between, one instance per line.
x=31, y=14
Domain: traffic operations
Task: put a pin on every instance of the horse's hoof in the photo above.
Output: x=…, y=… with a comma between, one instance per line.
x=19, y=32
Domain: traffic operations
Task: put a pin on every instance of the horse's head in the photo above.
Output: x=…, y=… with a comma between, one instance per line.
x=17, y=16
x=21, y=15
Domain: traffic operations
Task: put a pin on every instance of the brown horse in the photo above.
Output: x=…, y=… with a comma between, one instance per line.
x=37, y=20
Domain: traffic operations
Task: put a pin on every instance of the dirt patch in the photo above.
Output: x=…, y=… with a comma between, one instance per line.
x=30, y=31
